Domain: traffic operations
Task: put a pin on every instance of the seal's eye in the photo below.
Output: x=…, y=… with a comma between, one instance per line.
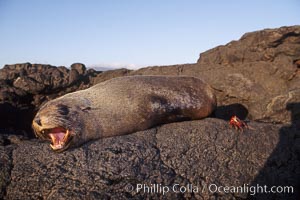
x=63, y=109
x=38, y=121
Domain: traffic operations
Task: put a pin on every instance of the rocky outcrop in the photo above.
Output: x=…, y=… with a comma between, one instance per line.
x=33, y=83
x=206, y=152
x=261, y=71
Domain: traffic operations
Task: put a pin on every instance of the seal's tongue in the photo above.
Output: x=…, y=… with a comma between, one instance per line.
x=57, y=136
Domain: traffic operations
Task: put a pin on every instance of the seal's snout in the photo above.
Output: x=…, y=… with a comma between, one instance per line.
x=37, y=127
x=52, y=127
x=36, y=123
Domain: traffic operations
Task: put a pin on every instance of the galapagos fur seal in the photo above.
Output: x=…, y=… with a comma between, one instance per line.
x=121, y=106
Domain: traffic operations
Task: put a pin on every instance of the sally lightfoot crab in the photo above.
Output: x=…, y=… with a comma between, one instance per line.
x=237, y=123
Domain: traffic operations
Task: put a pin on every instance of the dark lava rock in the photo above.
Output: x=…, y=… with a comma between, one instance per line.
x=24, y=87
x=5, y=170
x=7, y=144
x=259, y=71
x=198, y=153
x=77, y=71
x=41, y=79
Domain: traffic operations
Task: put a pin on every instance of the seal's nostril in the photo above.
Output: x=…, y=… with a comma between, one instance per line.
x=38, y=121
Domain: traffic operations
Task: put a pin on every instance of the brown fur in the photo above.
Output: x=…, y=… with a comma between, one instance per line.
x=125, y=105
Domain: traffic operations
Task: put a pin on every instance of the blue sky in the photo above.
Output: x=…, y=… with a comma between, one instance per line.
x=130, y=33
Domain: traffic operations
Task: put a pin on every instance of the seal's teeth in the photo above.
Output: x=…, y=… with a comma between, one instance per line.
x=52, y=146
x=56, y=147
x=53, y=139
x=66, y=136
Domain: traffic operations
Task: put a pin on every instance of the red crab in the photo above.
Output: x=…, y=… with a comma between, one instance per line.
x=237, y=123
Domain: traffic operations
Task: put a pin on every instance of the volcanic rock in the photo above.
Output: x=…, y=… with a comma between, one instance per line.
x=200, y=153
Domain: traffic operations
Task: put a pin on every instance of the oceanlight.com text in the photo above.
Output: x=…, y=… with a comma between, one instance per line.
x=252, y=190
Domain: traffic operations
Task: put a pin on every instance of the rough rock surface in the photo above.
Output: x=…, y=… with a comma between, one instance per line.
x=207, y=152
x=261, y=70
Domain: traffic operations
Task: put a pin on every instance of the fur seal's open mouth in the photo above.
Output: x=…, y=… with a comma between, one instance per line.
x=60, y=138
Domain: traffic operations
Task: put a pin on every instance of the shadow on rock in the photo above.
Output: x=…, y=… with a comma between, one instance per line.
x=16, y=118
x=226, y=112
x=282, y=169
